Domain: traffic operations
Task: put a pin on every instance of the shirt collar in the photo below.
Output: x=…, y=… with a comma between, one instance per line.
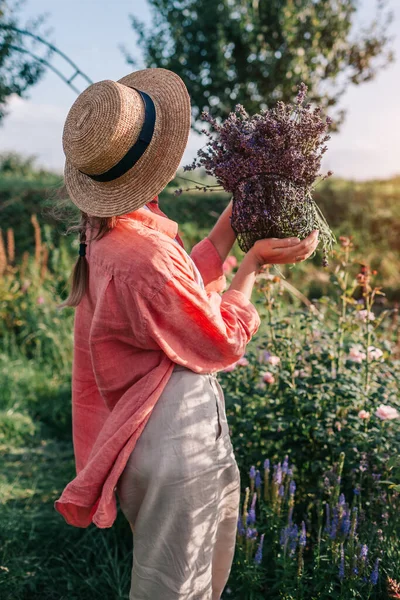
x=154, y=220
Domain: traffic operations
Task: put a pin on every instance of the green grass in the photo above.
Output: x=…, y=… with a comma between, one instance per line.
x=41, y=556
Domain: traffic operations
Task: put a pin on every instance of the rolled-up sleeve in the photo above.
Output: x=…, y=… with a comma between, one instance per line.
x=210, y=265
x=202, y=330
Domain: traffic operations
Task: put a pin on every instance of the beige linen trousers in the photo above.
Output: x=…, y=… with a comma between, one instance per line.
x=180, y=492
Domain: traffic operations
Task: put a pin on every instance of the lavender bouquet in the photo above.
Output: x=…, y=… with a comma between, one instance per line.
x=269, y=162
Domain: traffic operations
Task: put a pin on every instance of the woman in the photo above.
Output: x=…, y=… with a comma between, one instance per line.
x=151, y=330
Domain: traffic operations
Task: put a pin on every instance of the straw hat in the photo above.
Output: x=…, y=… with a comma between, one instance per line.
x=123, y=141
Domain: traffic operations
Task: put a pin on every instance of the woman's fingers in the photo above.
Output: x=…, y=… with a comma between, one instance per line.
x=284, y=242
x=297, y=252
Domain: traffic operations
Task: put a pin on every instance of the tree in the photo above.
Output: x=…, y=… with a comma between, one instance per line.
x=255, y=52
x=18, y=70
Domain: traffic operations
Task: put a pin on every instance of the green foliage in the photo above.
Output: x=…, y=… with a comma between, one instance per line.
x=18, y=70
x=309, y=411
x=255, y=52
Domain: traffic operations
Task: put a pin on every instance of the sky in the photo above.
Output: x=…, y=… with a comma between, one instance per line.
x=90, y=32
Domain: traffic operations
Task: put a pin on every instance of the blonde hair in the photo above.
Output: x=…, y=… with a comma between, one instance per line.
x=80, y=273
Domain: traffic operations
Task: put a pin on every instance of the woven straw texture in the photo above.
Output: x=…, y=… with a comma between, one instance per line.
x=102, y=125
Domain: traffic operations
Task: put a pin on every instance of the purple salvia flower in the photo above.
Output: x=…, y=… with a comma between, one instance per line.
x=293, y=538
x=258, y=480
x=335, y=522
x=251, y=533
x=252, y=472
x=346, y=522
x=375, y=573
x=258, y=556
x=292, y=487
x=354, y=521
x=364, y=552
x=303, y=535
x=328, y=518
x=267, y=464
x=281, y=491
x=251, y=517
x=341, y=565
x=285, y=465
x=284, y=536
x=278, y=474
x=342, y=499
x=241, y=529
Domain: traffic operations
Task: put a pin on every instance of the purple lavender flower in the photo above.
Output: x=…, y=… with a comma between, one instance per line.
x=342, y=499
x=258, y=556
x=269, y=162
x=258, y=480
x=281, y=491
x=252, y=472
x=292, y=487
x=267, y=464
x=375, y=573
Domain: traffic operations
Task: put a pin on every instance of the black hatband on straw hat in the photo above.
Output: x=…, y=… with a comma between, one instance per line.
x=138, y=148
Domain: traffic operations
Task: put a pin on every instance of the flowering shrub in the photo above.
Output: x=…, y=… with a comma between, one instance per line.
x=319, y=384
x=333, y=549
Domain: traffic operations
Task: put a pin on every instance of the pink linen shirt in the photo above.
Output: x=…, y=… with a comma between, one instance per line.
x=144, y=311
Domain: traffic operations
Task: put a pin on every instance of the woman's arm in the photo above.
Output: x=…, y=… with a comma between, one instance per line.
x=222, y=234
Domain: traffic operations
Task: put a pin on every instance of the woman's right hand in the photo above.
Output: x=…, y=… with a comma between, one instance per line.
x=284, y=250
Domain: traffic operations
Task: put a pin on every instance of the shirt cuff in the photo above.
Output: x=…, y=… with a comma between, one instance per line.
x=244, y=309
x=205, y=255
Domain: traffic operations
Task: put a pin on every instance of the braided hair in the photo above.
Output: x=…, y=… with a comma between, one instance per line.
x=81, y=270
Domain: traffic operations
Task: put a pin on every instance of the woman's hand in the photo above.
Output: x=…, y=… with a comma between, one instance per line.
x=285, y=250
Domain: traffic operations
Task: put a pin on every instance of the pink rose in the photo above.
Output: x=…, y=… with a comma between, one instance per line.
x=268, y=377
x=274, y=360
x=265, y=356
x=356, y=355
x=227, y=268
x=243, y=362
x=365, y=315
x=229, y=263
x=386, y=413
x=364, y=414
x=374, y=353
x=232, y=260
x=300, y=373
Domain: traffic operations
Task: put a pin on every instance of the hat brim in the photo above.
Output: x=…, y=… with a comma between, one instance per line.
x=159, y=163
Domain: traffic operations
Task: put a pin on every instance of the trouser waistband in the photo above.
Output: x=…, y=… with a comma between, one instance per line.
x=178, y=367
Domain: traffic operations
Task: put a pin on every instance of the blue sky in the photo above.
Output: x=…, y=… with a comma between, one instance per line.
x=90, y=32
